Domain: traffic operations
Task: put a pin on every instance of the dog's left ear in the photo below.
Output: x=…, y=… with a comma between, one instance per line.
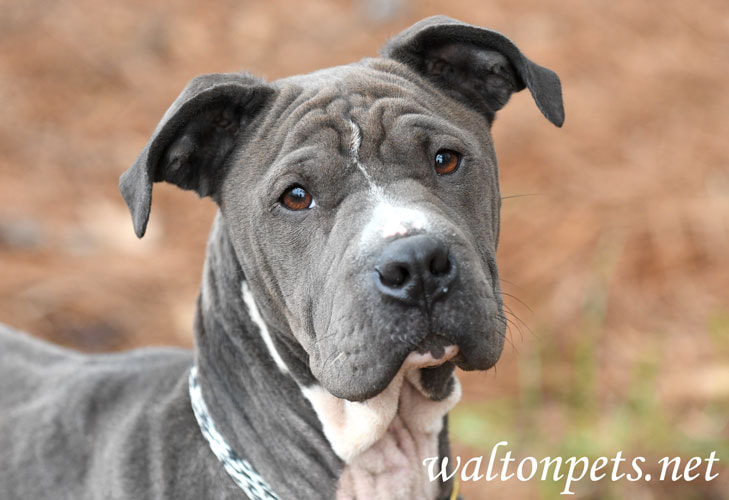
x=192, y=142
x=477, y=66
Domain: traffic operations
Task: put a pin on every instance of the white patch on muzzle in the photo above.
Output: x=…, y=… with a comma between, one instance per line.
x=387, y=219
x=390, y=220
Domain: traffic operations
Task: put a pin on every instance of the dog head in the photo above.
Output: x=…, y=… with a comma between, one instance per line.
x=362, y=200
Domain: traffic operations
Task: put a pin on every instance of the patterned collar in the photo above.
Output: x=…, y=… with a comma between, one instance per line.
x=239, y=469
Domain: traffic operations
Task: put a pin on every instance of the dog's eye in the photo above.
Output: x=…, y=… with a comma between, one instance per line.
x=447, y=161
x=297, y=198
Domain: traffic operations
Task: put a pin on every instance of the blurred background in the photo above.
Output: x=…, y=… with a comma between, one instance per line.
x=615, y=228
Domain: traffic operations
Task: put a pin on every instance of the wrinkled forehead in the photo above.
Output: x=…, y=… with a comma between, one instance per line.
x=363, y=103
x=362, y=82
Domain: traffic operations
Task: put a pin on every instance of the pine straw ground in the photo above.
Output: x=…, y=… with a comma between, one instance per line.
x=615, y=229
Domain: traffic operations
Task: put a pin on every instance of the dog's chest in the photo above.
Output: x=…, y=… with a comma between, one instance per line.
x=392, y=468
x=385, y=440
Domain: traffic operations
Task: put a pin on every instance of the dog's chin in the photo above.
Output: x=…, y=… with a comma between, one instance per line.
x=429, y=369
x=355, y=385
x=436, y=382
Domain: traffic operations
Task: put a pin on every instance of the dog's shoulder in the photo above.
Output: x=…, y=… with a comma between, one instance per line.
x=87, y=405
x=37, y=375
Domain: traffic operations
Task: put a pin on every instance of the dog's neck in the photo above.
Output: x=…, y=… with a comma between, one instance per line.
x=258, y=409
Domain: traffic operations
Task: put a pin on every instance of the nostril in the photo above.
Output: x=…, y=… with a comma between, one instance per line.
x=393, y=275
x=440, y=264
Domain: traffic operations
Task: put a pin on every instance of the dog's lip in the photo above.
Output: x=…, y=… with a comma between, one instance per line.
x=427, y=359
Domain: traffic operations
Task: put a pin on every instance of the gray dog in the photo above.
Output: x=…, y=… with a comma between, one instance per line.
x=350, y=269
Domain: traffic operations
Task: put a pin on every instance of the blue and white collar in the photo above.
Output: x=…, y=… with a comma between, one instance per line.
x=239, y=469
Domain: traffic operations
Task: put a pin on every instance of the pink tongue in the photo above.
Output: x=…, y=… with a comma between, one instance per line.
x=418, y=360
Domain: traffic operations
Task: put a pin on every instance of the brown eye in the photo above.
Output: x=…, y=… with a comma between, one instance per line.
x=447, y=161
x=297, y=198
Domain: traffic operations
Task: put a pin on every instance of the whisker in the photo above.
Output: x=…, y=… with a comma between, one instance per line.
x=506, y=321
x=525, y=195
x=522, y=323
x=518, y=300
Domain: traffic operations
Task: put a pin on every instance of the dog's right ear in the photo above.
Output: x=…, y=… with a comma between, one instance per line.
x=192, y=142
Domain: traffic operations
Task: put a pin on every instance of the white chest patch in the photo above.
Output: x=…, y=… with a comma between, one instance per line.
x=384, y=440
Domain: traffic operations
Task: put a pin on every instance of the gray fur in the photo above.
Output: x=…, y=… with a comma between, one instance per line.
x=120, y=425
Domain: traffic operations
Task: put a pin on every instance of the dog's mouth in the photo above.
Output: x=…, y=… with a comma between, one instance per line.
x=357, y=355
x=430, y=367
x=432, y=357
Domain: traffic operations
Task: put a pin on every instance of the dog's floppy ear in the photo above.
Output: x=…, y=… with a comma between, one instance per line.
x=190, y=145
x=477, y=66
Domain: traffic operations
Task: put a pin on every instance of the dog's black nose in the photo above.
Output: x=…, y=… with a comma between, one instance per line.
x=416, y=270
